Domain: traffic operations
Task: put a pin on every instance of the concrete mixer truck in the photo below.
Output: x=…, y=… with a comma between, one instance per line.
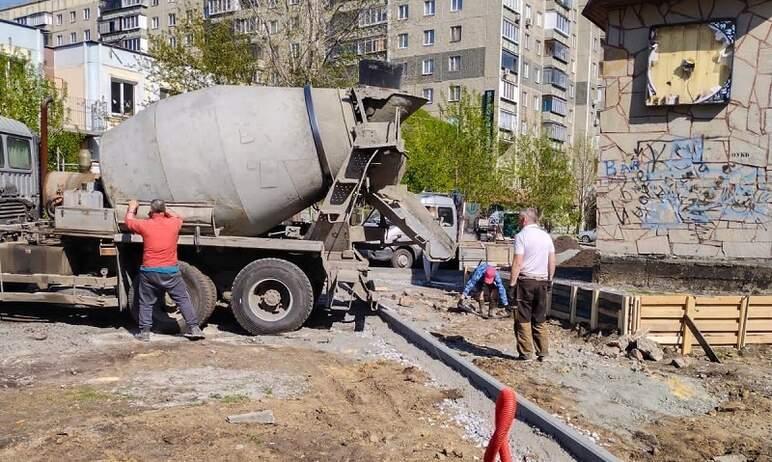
x=234, y=162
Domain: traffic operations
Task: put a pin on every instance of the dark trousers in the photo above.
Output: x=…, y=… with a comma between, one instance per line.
x=152, y=286
x=531, y=317
x=491, y=292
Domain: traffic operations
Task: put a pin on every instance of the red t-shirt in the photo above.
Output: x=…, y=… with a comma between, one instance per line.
x=159, y=233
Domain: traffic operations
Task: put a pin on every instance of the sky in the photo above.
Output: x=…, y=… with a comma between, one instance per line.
x=5, y=3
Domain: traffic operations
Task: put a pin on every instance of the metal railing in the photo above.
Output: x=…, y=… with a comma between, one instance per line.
x=91, y=116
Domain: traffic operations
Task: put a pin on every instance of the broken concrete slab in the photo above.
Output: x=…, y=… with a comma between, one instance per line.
x=260, y=417
x=650, y=349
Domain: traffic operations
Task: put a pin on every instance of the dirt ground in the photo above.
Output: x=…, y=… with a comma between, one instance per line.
x=78, y=387
x=639, y=411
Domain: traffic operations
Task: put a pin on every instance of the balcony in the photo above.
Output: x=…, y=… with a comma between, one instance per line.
x=215, y=8
x=40, y=20
x=108, y=6
x=123, y=25
x=555, y=131
x=88, y=116
x=555, y=4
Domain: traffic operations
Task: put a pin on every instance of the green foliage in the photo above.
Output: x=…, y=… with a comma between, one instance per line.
x=453, y=152
x=544, y=178
x=22, y=89
x=584, y=163
x=198, y=53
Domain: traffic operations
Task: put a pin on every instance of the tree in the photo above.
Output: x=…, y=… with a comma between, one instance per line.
x=584, y=163
x=453, y=152
x=281, y=43
x=199, y=53
x=544, y=178
x=22, y=89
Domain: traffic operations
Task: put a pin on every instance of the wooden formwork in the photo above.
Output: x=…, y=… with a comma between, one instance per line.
x=735, y=320
x=586, y=303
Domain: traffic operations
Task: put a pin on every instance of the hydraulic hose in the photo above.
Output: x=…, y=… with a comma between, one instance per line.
x=506, y=405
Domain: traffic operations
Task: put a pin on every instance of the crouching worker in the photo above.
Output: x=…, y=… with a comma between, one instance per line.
x=486, y=282
x=159, y=273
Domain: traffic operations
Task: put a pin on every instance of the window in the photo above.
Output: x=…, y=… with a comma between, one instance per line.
x=173, y=41
x=59, y=39
x=538, y=19
x=525, y=99
x=58, y=19
x=132, y=44
x=404, y=12
x=556, y=77
x=595, y=70
x=558, y=51
x=371, y=45
x=154, y=23
x=536, y=103
x=154, y=2
x=73, y=37
x=86, y=35
x=526, y=70
x=454, y=64
x=571, y=91
x=122, y=97
x=507, y=120
x=402, y=39
x=558, y=22
x=538, y=47
x=429, y=37
x=455, y=33
x=427, y=67
x=556, y=132
x=528, y=11
x=527, y=41
x=524, y=127
x=428, y=93
x=509, y=61
x=429, y=8
x=445, y=214
x=293, y=2
x=456, y=5
x=86, y=13
x=537, y=75
x=73, y=16
x=513, y=5
x=130, y=22
x=19, y=153
x=372, y=16
x=508, y=90
x=454, y=94
x=510, y=31
x=272, y=27
x=595, y=43
x=245, y=25
x=554, y=105
x=172, y=20
x=295, y=50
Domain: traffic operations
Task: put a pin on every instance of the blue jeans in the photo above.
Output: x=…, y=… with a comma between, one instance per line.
x=154, y=285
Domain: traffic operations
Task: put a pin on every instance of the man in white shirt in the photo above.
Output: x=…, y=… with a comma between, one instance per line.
x=532, y=273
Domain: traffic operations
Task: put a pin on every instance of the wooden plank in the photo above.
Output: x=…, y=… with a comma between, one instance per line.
x=742, y=327
x=637, y=314
x=676, y=325
x=761, y=338
x=61, y=298
x=686, y=335
x=560, y=315
x=720, y=300
x=759, y=311
x=662, y=299
x=662, y=325
x=612, y=297
x=689, y=322
x=758, y=325
x=572, y=305
x=594, y=310
x=663, y=311
x=716, y=312
x=760, y=300
x=714, y=339
x=623, y=317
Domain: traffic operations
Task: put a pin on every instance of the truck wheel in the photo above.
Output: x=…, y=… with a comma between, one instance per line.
x=402, y=258
x=166, y=317
x=271, y=296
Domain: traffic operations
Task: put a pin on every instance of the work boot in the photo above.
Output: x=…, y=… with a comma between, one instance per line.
x=194, y=333
x=143, y=335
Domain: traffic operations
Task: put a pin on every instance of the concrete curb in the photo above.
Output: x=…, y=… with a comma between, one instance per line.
x=574, y=443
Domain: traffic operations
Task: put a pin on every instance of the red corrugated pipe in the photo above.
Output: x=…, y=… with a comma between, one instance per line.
x=506, y=404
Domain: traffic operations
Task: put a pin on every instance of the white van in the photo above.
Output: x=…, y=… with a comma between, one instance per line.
x=397, y=248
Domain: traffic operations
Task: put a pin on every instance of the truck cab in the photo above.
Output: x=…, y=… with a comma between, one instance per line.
x=387, y=243
x=19, y=190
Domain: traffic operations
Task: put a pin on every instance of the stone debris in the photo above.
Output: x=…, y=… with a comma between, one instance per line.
x=731, y=458
x=650, y=349
x=635, y=354
x=260, y=417
x=680, y=362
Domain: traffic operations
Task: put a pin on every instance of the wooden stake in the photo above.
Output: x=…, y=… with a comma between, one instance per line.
x=689, y=322
x=686, y=336
x=743, y=326
x=572, y=305
x=624, y=316
x=594, y=309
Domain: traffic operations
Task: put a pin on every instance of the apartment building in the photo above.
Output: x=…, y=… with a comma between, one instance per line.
x=526, y=53
x=62, y=21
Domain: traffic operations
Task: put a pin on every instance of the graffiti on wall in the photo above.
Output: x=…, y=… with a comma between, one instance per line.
x=669, y=183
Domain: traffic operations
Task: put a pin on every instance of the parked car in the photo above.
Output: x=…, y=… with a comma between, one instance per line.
x=587, y=237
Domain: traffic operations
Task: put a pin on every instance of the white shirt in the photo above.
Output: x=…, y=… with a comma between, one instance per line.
x=535, y=245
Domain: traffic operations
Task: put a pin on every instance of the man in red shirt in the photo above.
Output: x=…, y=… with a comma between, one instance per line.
x=159, y=272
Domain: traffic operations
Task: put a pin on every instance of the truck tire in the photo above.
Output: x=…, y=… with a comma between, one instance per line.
x=402, y=258
x=271, y=296
x=166, y=318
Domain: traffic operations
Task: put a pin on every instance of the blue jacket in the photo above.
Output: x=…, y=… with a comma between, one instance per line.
x=478, y=274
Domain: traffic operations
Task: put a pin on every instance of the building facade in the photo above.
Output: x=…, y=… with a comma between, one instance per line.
x=24, y=41
x=683, y=193
x=528, y=54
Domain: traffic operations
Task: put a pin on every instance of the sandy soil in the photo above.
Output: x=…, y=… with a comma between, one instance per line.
x=638, y=410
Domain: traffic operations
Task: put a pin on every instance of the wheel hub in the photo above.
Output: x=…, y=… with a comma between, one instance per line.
x=270, y=300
